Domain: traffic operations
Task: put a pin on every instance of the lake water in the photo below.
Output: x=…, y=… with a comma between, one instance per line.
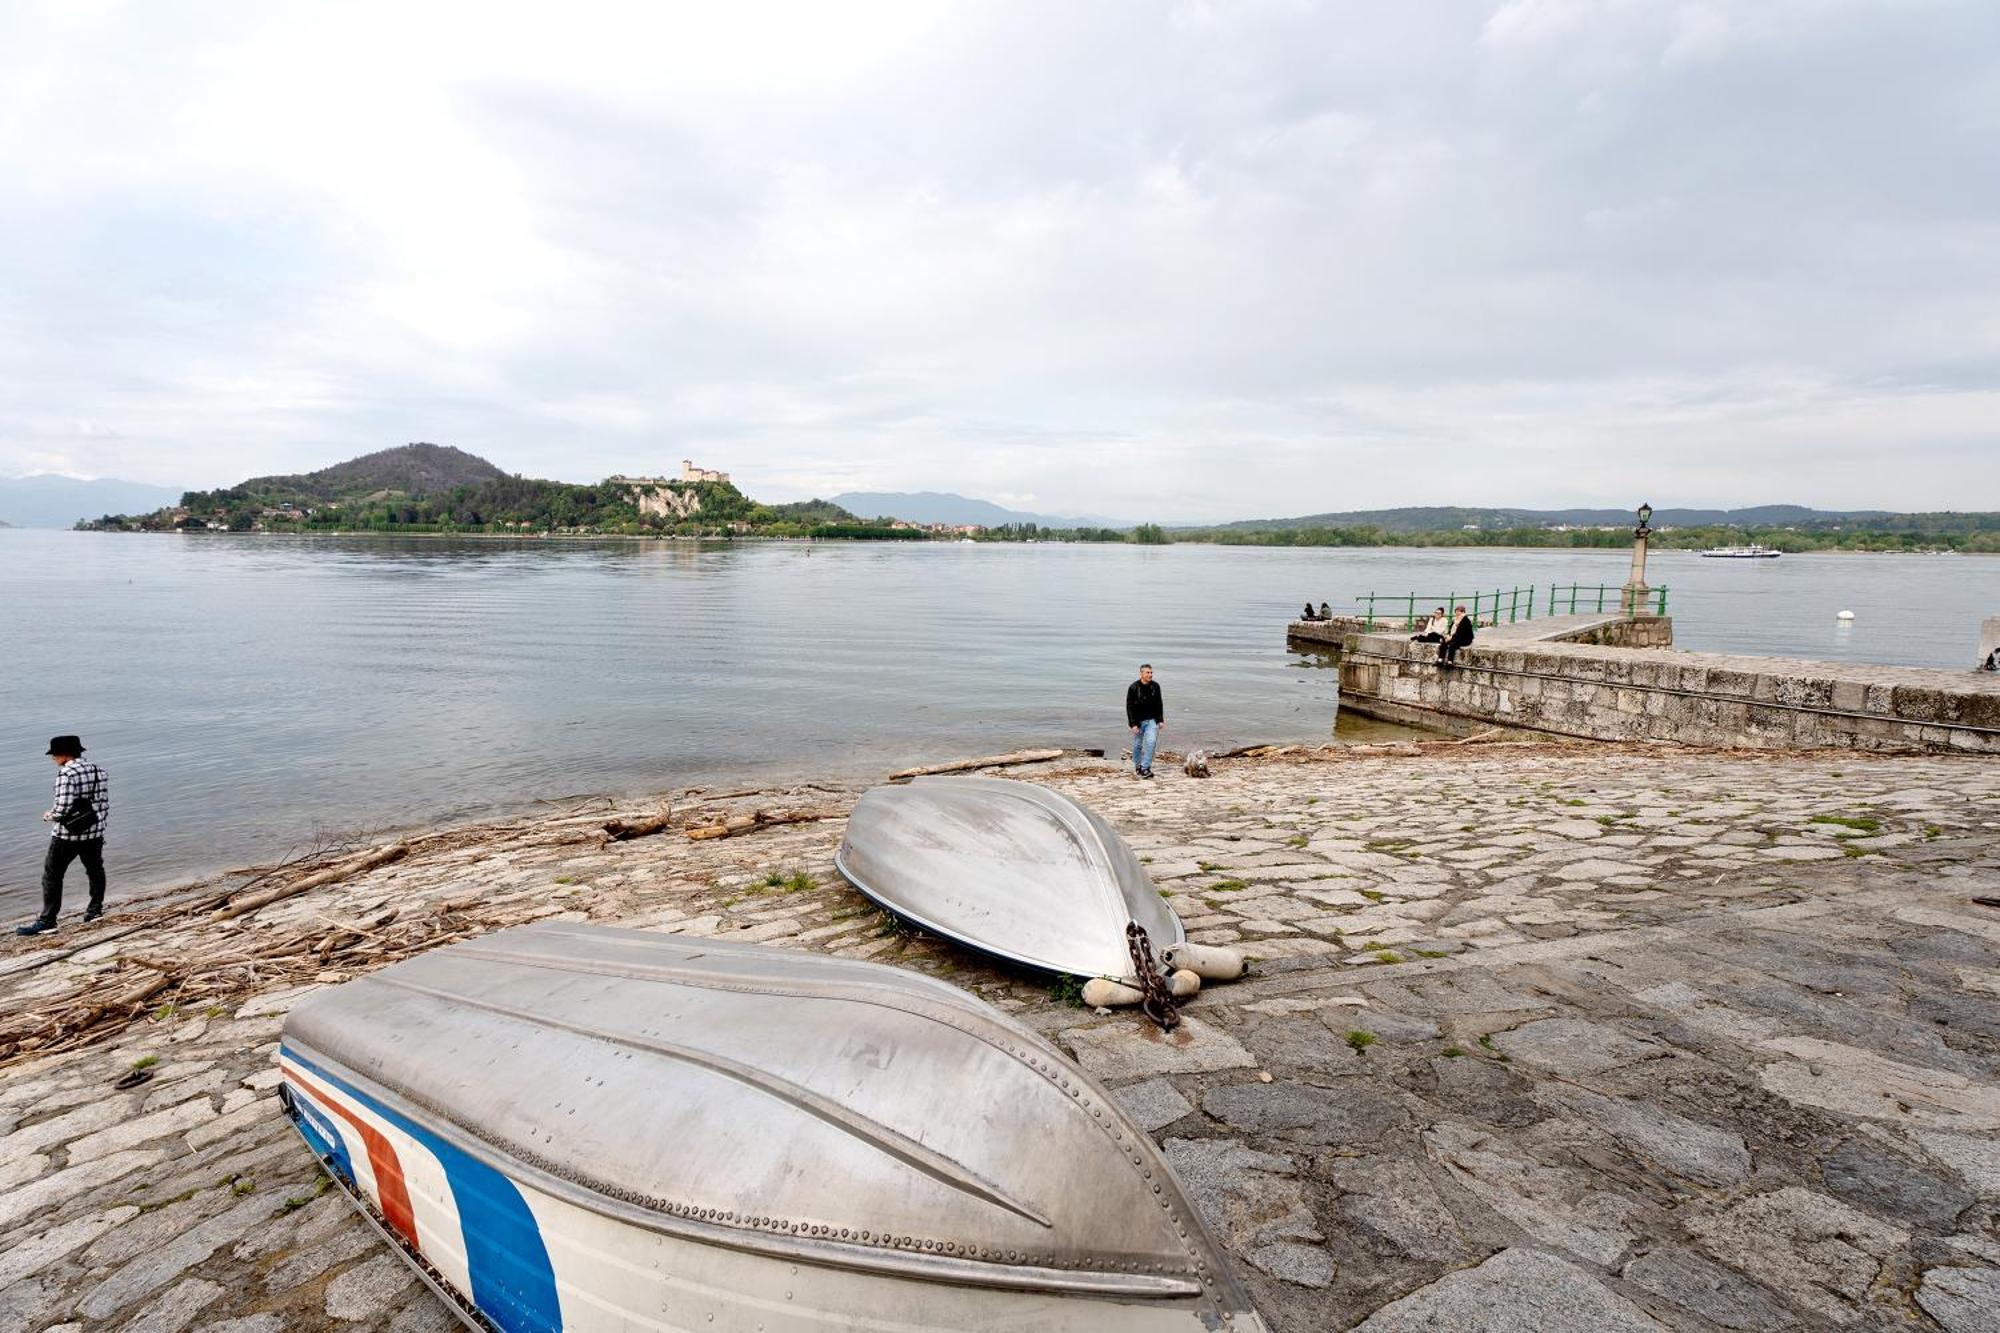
x=246, y=692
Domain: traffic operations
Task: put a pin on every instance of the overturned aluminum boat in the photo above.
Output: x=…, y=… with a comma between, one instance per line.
x=1008, y=868
x=576, y=1127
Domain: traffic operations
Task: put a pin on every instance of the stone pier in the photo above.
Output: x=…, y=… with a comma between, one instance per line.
x=1615, y=677
x=1608, y=629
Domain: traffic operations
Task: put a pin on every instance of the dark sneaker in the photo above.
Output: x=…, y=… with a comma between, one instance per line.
x=36, y=928
x=91, y=914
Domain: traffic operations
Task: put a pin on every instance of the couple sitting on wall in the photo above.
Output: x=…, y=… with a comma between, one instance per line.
x=1449, y=634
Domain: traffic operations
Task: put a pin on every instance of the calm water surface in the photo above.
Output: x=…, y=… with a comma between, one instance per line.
x=247, y=692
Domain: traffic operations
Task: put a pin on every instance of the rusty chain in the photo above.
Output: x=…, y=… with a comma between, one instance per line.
x=1158, y=1002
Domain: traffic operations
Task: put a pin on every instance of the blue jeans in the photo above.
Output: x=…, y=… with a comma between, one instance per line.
x=1142, y=745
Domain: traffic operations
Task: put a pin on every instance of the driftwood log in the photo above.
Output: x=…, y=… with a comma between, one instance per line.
x=339, y=870
x=624, y=830
x=990, y=761
x=758, y=819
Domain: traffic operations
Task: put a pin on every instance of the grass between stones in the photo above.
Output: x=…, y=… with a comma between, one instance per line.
x=295, y=1202
x=1859, y=823
x=1067, y=990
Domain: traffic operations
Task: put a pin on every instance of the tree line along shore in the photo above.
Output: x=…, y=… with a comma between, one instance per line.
x=428, y=489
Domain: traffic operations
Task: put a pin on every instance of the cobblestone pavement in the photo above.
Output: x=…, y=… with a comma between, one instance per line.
x=1542, y=1039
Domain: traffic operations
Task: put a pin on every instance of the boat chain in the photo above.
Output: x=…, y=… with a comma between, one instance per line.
x=1158, y=1002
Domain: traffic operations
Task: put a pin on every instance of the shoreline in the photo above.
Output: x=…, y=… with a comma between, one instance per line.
x=581, y=821
x=19, y=904
x=974, y=541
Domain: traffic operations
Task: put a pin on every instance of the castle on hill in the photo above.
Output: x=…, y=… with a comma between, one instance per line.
x=654, y=495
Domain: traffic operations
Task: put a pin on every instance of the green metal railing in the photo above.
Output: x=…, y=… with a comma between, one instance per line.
x=1408, y=610
x=1487, y=608
x=1596, y=599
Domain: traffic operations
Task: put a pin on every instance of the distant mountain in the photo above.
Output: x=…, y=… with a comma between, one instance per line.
x=1447, y=519
x=413, y=469
x=944, y=507
x=48, y=500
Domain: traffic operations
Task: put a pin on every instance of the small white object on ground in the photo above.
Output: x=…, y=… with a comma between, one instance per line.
x=1845, y=615
x=1208, y=961
x=1101, y=994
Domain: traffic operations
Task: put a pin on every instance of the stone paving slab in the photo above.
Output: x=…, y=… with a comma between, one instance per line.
x=1698, y=1087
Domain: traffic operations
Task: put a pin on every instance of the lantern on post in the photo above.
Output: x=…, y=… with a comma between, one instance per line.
x=1634, y=595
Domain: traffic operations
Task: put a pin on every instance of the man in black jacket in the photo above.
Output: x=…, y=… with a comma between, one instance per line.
x=1145, y=713
x=81, y=813
x=1461, y=635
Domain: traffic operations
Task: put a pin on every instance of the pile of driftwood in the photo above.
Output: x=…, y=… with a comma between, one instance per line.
x=188, y=965
x=223, y=975
x=207, y=950
x=216, y=946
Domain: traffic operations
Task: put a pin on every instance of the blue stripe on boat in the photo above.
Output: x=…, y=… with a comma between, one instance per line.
x=513, y=1283
x=322, y=1137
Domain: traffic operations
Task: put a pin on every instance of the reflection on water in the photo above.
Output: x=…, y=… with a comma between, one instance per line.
x=245, y=691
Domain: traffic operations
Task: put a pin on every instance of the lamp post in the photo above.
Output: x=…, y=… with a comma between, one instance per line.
x=1633, y=597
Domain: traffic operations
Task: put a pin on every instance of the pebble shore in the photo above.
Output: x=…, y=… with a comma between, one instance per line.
x=1540, y=1038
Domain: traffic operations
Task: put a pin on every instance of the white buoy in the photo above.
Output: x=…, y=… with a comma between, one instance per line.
x=1845, y=615
x=1099, y=993
x=1208, y=961
x=1104, y=993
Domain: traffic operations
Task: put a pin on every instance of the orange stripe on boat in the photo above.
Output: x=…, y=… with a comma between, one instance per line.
x=382, y=1160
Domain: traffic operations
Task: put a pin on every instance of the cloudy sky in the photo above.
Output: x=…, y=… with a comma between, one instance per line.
x=1183, y=261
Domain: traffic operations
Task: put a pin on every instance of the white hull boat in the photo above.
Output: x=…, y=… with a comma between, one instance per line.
x=1751, y=552
x=1010, y=869
x=576, y=1127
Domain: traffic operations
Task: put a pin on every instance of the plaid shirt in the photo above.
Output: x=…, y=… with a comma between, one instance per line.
x=80, y=777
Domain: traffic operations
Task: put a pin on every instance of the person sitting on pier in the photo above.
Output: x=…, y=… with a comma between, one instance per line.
x=1325, y=611
x=1307, y=614
x=1434, y=629
x=1461, y=635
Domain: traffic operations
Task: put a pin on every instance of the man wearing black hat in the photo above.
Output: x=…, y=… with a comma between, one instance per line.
x=81, y=811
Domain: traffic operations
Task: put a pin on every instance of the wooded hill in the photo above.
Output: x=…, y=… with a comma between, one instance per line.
x=427, y=488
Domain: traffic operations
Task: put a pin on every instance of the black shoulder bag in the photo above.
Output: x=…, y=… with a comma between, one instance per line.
x=81, y=818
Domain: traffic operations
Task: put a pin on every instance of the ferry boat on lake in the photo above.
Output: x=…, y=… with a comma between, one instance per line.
x=1750, y=552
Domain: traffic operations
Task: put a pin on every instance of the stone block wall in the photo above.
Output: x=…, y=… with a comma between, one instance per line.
x=1636, y=632
x=1323, y=633
x=1604, y=693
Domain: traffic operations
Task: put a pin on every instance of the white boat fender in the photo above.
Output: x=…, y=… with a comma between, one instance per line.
x=1102, y=993
x=1210, y=962
x=1099, y=993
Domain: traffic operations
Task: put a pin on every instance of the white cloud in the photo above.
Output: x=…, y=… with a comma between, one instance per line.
x=1199, y=261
